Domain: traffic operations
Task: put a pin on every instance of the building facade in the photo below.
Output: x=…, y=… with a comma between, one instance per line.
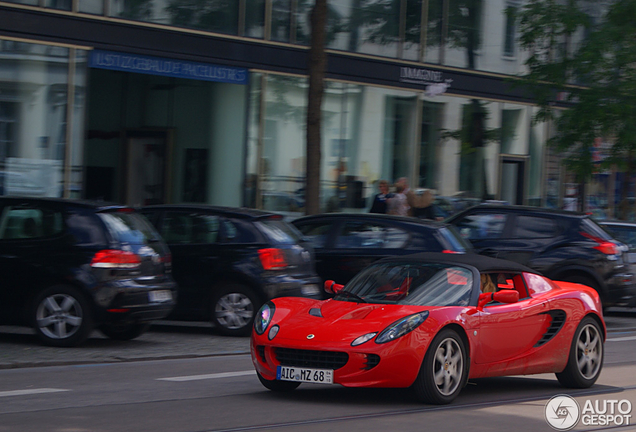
x=152, y=101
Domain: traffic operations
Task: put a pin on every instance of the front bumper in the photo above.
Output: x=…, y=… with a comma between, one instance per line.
x=394, y=364
x=286, y=285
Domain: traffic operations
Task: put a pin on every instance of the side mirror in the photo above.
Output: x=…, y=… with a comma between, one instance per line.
x=504, y=296
x=332, y=287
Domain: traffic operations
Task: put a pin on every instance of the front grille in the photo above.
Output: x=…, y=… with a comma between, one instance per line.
x=260, y=349
x=312, y=359
x=371, y=361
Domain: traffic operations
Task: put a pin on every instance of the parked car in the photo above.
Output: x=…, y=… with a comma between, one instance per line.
x=70, y=266
x=624, y=232
x=565, y=246
x=422, y=321
x=345, y=243
x=228, y=261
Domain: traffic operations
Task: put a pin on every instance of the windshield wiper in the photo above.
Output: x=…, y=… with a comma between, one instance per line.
x=352, y=295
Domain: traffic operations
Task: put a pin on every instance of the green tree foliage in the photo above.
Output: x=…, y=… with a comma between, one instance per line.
x=588, y=63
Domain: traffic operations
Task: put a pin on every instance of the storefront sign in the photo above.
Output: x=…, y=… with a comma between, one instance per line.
x=167, y=67
x=434, y=80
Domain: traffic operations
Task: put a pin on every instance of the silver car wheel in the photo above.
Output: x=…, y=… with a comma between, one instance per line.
x=589, y=351
x=59, y=316
x=448, y=366
x=234, y=310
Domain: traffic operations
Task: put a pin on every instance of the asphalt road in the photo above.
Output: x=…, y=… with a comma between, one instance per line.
x=186, y=379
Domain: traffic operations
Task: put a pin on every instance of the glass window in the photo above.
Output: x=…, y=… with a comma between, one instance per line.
x=316, y=233
x=412, y=30
x=95, y=7
x=482, y=226
x=189, y=228
x=128, y=227
x=254, y=18
x=429, y=138
x=511, y=30
x=623, y=233
x=372, y=236
x=86, y=228
x=60, y=4
x=592, y=229
x=26, y=2
x=372, y=27
x=464, y=33
x=29, y=222
x=279, y=231
x=451, y=240
x=281, y=20
x=534, y=227
x=33, y=119
x=413, y=284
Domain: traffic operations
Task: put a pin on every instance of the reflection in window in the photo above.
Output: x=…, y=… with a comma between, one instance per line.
x=464, y=32
x=60, y=4
x=361, y=235
x=482, y=226
x=33, y=119
x=220, y=16
x=531, y=227
x=281, y=20
x=511, y=30
x=254, y=18
x=316, y=233
x=95, y=7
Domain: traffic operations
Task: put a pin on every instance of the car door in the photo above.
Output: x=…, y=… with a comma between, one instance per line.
x=507, y=331
x=192, y=237
x=32, y=253
x=358, y=244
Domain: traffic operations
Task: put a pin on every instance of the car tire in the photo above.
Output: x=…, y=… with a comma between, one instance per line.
x=444, y=370
x=233, y=310
x=62, y=316
x=124, y=332
x=278, y=385
x=585, y=360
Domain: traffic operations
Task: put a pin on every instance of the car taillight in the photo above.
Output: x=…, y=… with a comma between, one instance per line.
x=115, y=259
x=272, y=259
x=167, y=259
x=606, y=247
x=450, y=251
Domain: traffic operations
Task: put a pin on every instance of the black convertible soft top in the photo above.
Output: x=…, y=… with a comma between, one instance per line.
x=482, y=263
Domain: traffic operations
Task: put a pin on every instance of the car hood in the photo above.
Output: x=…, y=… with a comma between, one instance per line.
x=332, y=320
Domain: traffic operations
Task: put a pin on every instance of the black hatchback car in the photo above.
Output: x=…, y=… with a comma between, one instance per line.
x=565, y=246
x=70, y=266
x=346, y=243
x=229, y=261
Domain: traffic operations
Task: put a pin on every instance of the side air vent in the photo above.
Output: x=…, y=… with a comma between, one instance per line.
x=558, y=319
x=260, y=349
x=315, y=312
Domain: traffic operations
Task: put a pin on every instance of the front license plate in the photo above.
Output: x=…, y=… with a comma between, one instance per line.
x=160, y=296
x=320, y=376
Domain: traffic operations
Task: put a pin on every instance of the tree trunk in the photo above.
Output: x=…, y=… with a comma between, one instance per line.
x=317, y=65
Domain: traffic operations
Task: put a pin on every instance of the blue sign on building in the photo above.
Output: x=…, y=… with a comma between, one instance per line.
x=166, y=67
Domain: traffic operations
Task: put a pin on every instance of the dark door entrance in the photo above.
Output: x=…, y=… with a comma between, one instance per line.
x=512, y=178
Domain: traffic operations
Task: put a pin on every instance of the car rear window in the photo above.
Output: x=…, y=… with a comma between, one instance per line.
x=593, y=229
x=278, y=231
x=128, y=227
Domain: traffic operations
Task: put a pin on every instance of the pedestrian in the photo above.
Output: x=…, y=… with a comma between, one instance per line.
x=380, y=200
x=397, y=204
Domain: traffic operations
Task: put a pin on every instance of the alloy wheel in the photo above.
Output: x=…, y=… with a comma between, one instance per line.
x=234, y=311
x=59, y=316
x=589, y=351
x=448, y=366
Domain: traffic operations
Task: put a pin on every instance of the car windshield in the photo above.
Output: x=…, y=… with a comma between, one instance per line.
x=409, y=283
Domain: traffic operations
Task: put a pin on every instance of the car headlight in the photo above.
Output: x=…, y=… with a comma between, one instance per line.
x=364, y=338
x=264, y=317
x=401, y=327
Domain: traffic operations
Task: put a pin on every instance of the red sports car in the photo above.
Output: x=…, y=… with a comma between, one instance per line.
x=432, y=321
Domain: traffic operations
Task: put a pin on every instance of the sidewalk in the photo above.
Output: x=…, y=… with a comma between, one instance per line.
x=19, y=347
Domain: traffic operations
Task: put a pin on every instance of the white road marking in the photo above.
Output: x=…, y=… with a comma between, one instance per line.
x=209, y=376
x=31, y=391
x=621, y=339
